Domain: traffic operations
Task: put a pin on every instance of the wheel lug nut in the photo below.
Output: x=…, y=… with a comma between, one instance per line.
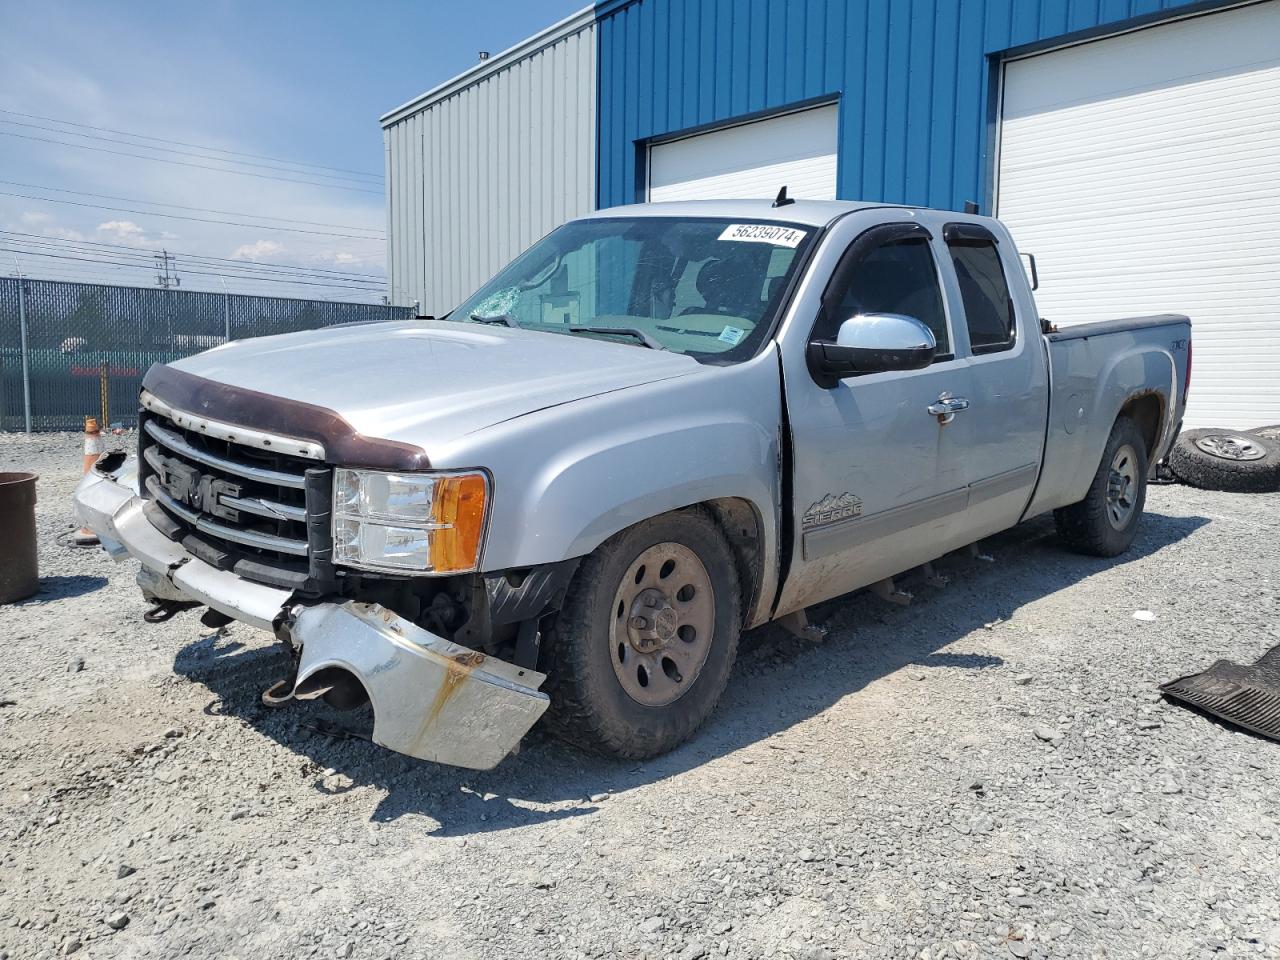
x=640, y=623
x=650, y=601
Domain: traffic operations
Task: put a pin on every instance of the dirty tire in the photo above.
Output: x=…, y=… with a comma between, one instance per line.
x=1089, y=526
x=1200, y=467
x=590, y=708
x=1271, y=432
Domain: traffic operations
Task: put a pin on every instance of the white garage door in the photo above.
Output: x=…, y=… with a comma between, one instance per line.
x=1143, y=171
x=752, y=160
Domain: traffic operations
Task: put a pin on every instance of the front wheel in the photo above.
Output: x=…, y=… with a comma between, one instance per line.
x=643, y=645
x=1105, y=522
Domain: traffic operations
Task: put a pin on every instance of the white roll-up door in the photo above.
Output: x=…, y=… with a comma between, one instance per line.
x=1143, y=171
x=751, y=160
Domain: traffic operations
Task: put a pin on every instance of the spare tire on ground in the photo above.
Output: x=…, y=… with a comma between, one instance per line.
x=1219, y=459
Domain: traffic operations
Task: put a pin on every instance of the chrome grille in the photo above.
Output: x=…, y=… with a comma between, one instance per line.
x=237, y=507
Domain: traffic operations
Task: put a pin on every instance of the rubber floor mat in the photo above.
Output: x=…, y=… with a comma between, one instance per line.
x=1249, y=696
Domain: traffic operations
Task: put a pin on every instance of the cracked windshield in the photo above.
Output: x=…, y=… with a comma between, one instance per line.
x=703, y=287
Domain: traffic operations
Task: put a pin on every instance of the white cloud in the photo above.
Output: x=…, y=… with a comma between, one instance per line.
x=31, y=218
x=346, y=258
x=258, y=250
x=64, y=233
x=126, y=232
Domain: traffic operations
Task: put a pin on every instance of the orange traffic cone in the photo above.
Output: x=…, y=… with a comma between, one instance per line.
x=84, y=537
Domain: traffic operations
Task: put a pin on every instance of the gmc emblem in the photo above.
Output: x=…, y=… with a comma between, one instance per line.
x=188, y=486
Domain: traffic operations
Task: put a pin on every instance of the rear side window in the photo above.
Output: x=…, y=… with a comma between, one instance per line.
x=988, y=306
x=896, y=277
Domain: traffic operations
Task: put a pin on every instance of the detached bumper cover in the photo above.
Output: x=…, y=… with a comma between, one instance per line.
x=432, y=699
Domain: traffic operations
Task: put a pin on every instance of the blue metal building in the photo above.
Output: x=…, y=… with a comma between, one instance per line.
x=1132, y=145
x=915, y=81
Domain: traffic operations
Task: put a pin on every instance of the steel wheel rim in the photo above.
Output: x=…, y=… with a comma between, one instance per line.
x=662, y=624
x=1231, y=447
x=1122, y=487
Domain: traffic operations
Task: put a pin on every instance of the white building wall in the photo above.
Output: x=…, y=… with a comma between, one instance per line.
x=480, y=167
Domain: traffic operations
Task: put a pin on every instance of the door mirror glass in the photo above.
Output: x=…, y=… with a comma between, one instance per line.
x=872, y=343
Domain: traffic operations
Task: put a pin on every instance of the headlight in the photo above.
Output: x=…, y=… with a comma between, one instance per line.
x=408, y=522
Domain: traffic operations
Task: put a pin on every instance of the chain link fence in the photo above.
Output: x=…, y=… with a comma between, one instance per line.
x=71, y=350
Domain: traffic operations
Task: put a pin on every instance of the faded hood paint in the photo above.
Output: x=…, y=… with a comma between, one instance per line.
x=429, y=382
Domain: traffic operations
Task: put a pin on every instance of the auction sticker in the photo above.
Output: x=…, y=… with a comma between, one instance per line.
x=763, y=233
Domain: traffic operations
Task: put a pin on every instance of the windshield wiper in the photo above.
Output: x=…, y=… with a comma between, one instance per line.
x=503, y=318
x=640, y=335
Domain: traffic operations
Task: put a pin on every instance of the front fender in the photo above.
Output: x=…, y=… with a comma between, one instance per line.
x=568, y=478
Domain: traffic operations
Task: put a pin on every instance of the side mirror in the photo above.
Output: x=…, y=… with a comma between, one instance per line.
x=872, y=343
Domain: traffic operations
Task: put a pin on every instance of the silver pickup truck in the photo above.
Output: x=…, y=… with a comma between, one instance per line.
x=659, y=426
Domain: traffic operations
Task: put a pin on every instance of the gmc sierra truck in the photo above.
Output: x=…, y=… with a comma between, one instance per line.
x=659, y=426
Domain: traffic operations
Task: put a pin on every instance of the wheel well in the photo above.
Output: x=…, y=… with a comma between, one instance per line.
x=740, y=523
x=1147, y=411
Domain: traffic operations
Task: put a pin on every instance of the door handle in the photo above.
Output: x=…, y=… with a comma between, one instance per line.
x=946, y=407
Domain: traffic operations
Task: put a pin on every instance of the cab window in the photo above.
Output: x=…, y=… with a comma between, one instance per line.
x=901, y=277
x=984, y=291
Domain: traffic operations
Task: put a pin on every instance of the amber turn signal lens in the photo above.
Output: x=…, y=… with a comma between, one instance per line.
x=459, y=507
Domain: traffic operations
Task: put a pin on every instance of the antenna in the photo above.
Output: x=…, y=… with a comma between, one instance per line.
x=782, y=200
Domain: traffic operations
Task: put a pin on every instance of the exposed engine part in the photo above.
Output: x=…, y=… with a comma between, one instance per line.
x=167, y=609
x=215, y=619
x=279, y=694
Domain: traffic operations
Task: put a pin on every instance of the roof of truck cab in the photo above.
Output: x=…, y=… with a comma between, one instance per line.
x=811, y=213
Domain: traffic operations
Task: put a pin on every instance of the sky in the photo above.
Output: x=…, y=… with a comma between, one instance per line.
x=227, y=110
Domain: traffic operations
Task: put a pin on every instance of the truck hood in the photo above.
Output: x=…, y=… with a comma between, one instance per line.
x=428, y=382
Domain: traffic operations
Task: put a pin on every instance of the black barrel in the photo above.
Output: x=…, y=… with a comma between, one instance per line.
x=18, y=576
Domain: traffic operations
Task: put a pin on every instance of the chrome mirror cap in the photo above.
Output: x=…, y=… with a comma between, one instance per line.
x=886, y=331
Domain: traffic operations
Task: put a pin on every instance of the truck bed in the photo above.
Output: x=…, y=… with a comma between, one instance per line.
x=1097, y=370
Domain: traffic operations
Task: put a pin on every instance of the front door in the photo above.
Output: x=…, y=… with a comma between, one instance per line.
x=879, y=483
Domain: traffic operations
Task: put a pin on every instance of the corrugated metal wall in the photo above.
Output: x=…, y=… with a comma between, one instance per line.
x=912, y=75
x=483, y=166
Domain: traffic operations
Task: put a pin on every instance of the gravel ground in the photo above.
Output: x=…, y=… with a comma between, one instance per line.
x=986, y=773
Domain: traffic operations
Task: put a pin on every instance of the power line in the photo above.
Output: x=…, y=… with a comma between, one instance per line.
x=136, y=275
x=348, y=285
x=47, y=274
x=142, y=258
x=178, y=206
x=182, y=143
x=184, y=163
x=181, y=153
x=175, y=216
x=53, y=242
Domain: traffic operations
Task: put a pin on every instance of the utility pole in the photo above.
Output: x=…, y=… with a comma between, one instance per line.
x=166, y=281
x=163, y=277
x=226, y=310
x=26, y=354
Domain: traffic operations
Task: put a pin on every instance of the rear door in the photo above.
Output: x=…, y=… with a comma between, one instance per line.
x=878, y=482
x=1003, y=428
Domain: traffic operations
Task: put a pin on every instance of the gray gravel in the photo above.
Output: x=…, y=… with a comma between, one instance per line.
x=987, y=773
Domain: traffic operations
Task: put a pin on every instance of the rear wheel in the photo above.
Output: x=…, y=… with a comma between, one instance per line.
x=646, y=638
x=1105, y=522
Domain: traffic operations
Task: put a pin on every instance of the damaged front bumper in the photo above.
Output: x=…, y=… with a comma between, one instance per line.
x=432, y=699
